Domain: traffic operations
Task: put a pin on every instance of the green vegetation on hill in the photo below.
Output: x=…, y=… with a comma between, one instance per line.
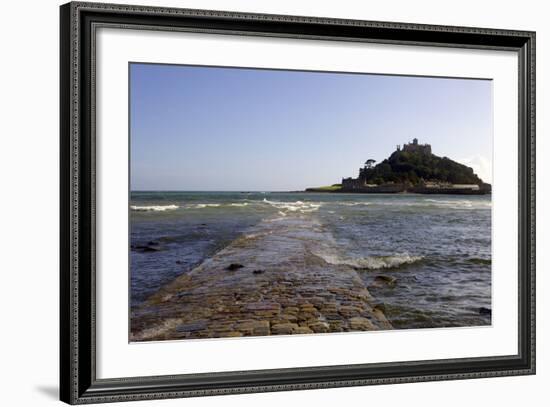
x=329, y=188
x=412, y=167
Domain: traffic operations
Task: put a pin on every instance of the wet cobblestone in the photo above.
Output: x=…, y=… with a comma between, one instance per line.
x=297, y=292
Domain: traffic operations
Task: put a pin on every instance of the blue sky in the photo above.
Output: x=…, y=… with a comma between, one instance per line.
x=208, y=128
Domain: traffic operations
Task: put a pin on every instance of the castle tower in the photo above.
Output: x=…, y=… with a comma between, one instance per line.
x=415, y=141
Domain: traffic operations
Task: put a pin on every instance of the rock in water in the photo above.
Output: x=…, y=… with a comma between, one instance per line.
x=386, y=279
x=485, y=311
x=382, y=280
x=147, y=248
x=234, y=266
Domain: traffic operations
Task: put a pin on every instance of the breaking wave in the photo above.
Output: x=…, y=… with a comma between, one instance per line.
x=153, y=208
x=298, y=206
x=161, y=208
x=371, y=262
x=206, y=205
x=457, y=204
x=354, y=203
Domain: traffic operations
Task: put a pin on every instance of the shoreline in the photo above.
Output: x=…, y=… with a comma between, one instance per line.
x=361, y=192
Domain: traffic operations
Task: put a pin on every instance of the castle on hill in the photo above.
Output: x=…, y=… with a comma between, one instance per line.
x=361, y=181
x=414, y=147
x=413, y=168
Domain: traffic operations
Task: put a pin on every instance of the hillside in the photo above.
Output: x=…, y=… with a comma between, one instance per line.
x=415, y=166
x=412, y=168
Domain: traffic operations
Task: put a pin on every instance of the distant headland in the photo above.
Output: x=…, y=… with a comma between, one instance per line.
x=413, y=169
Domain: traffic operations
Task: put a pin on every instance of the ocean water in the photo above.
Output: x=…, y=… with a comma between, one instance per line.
x=426, y=259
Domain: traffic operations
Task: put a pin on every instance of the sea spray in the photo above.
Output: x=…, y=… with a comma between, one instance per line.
x=153, y=208
x=297, y=206
x=370, y=262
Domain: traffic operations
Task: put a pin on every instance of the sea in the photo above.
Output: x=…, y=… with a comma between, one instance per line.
x=426, y=259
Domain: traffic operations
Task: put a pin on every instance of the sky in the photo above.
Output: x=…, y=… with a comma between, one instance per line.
x=234, y=129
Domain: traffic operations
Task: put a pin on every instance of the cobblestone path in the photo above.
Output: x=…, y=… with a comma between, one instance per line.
x=267, y=282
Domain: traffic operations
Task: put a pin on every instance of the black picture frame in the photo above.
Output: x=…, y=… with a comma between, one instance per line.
x=78, y=382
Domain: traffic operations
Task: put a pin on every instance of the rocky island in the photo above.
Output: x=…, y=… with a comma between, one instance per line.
x=412, y=168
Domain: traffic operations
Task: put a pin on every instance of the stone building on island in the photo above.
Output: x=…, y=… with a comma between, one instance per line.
x=413, y=168
x=414, y=147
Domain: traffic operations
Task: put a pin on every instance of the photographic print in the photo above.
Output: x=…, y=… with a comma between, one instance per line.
x=281, y=202
x=230, y=180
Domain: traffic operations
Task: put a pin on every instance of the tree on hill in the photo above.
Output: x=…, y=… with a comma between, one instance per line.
x=369, y=163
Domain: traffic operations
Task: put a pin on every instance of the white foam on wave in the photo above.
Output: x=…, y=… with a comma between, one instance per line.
x=153, y=208
x=431, y=203
x=458, y=204
x=354, y=203
x=298, y=206
x=217, y=205
x=205, y=205
x=161, y=208
x=370, y=262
